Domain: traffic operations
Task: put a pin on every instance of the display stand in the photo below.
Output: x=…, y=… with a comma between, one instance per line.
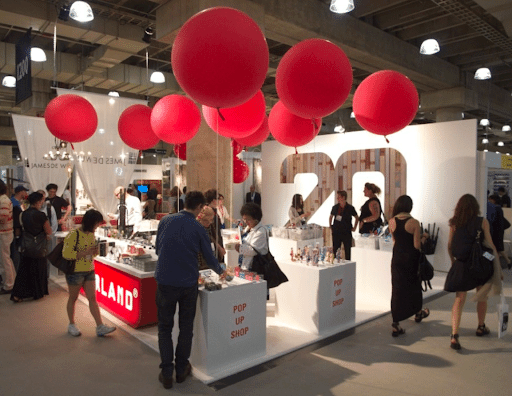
x=316, y=299
x=281, y=247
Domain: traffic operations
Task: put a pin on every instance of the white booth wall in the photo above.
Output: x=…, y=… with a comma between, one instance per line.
x=441, y=167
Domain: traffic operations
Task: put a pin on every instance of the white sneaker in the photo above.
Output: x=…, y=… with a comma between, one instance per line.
x=102, y=330
x=73, y=330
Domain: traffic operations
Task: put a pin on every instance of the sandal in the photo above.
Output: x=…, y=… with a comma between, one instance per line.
x=455, y=345
x=16, y=299
x=397, y=330
x=422, y=315
x=482, y=330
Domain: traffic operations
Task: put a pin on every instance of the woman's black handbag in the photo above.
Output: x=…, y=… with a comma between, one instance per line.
x=481, y=266
x=56, y=259
x=425, y=271
x=34, y=246
x=266, y=265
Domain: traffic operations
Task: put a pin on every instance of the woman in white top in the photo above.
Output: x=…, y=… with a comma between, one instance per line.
x=223, y=212
x=257, y=237
x=296, y=212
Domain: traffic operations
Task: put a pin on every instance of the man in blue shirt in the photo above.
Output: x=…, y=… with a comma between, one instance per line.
x=179, y=240
x=20, y=194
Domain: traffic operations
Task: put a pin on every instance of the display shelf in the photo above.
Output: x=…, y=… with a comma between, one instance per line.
x=281, y=247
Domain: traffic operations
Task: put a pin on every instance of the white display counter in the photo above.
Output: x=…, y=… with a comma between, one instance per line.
x=230, y=326
x=281, y=247
x=316, y=299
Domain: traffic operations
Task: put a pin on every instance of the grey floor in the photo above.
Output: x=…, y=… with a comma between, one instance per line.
x=38, y=357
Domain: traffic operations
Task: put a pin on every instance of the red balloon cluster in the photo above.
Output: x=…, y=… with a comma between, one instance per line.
x=292, y=130
x=314, y=78
x=71, y=118
x=220, y=57
x=237, y=147
x=257, y=137
x=134, y=127
x=181, y=151
x=240, y=171
x=237, y=122
x=385, y=102
x=175, y=119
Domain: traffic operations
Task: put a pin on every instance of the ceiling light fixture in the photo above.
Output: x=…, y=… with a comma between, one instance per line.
x=505, y=128
x=9, y=82
x=157, y=77
x=485, y=122
x=429, y=47
x=115, y=94
x=339, y=128
x=81, y=11
x=341, y=6
x=352, y=115
x=501, y=144
x=483, y=74
x=485, y=140
x=37, y=55
x=485, y=151
x=148, y=35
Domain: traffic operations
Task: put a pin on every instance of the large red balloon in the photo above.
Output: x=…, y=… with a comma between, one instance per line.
x=220, y=57
x=239, y=121
x=291, y=130
x=71, y=118
x=181, y=151
x=134, y=127
x=313, y=79
x=385, y=102
x=240, y=171
x=257, y=137
x=175, y=119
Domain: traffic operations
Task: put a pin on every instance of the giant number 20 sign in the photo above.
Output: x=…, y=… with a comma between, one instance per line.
x=388, y=161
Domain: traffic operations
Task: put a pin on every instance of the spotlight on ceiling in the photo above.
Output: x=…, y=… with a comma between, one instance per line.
x=81, y=11
x=483, y=74
x=148, y=35
x=157, y=77
x=339, y=128
x=485, y=141
x=37, y=55
x=115, y=94
x=64, y=12
x=341, y=6
x=505, y=128
x=352, y=115
x=484, y=122
x=9, y=82
x=429, y=47
x=501, y=144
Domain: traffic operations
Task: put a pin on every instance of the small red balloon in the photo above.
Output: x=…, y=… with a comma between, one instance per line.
x=71, y=118
x=385, y=102
x=220, y=57
x=257, y=137
x=134, y=127
x=313, y=79
x=240, y=171
x=239, y=121
x=237, y=147
x=181, y=151
x=291, y=130
x=175, y=119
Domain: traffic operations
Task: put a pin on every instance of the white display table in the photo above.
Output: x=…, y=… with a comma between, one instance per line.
x=230, y=326
x=281, y=247
x=316, y=299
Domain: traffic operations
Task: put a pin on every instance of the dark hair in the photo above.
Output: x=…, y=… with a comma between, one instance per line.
x=221, y=196
x=402, y=205
x=467, y=209
x=185, y=190
x=175, y=192
x=373, y=188
x=501, y=189
x=34, y=198
x=296, y=202
x=52, y=186
x=253, y=210
x=130, y=190
x=494, y=197
x=3, y=187
x=210, y=195
x=90, y=219
x=342, y=193
x=193, y=199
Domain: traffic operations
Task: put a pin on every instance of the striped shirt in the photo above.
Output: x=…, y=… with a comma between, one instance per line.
x=5, y=214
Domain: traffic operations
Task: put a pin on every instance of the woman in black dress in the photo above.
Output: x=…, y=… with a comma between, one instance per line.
x=31, y=279
x=464, y=227
x=370, y=218
x=406, y=294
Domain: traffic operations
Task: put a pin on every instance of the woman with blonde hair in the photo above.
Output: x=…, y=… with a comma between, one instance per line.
x=371, y=211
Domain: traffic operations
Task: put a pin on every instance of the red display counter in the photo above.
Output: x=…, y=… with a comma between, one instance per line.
x=127, y=293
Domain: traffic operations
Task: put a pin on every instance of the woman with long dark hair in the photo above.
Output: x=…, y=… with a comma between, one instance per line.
x=406, y=293
x=465, y=225
x=371, y=211
x=296, y=212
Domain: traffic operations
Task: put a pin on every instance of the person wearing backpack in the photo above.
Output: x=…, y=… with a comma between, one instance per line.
x=406, y=292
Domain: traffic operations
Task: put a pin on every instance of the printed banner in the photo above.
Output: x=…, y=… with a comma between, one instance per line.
x=23, y=68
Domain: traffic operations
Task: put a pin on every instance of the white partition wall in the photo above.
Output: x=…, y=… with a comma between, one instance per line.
x=441, y=167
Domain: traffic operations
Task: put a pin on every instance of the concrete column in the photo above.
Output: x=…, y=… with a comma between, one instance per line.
x=5, y=155
x=448, y=114
x=210, y=163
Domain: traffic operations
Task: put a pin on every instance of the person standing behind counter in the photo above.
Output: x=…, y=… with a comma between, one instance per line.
x=342, y=228
x=370, y=218
x=179, y=240
x=133, y=209
x=296, y=211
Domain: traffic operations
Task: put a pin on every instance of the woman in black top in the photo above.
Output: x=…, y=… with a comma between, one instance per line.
x=406, y=294
x=370, y=218
x=340, y=222
x=464, y=226
x=31, y=279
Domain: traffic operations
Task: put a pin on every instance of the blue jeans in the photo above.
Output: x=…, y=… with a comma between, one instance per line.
x=166, y=299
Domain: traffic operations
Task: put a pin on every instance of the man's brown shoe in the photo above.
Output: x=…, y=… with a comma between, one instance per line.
x=166, y=382
x=182, y=377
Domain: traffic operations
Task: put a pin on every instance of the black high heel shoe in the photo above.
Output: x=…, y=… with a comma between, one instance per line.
x=455, y=345
x=397, y=330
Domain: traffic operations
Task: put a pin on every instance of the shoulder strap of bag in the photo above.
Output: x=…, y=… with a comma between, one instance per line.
x=49, y=213
x=479, y=229
x=258, y=253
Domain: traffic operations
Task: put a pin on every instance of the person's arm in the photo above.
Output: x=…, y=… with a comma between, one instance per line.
x=450, y=238
x=354, y=213
x=418, y=238
x=392, y=227
x=258, y=242
x=65, y=217
x=487, y=235
x=206, y=250
x=55, y=224
x=47, y=228
x=330, y=220
x=4, y=213
x=294, y=216
x=375, y=210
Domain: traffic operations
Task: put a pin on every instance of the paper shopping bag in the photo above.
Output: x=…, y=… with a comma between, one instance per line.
x=502, y=317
